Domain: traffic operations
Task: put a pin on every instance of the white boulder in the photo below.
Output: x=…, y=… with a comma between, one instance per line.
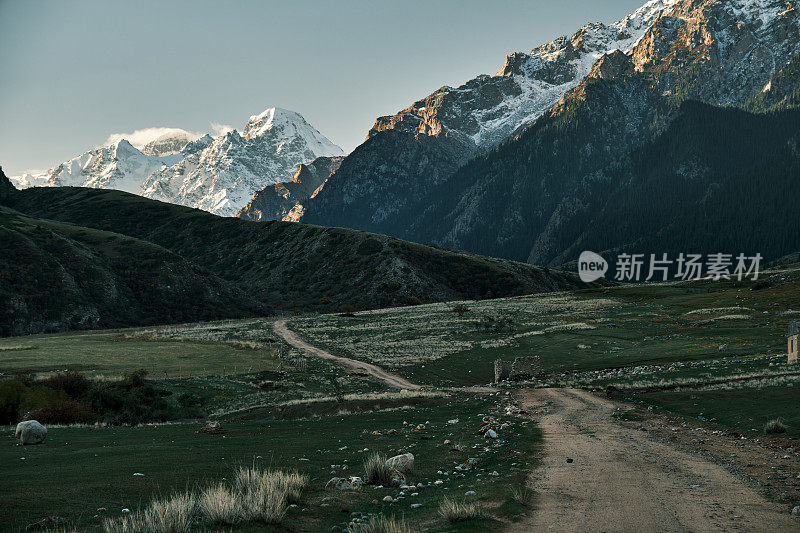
x=402, y=463
x=30, y=432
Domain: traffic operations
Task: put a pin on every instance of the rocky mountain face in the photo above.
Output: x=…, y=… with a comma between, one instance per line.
x=718, y=52
x=215, y=174
x=224, y=176
x=526, y=196
x=382, y=185
x=284, y=201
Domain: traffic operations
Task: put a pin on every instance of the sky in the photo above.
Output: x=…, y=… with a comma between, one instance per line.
x=76, y=73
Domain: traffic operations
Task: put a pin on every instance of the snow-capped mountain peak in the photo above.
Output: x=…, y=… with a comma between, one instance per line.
x=216, y=174
x=224, y=175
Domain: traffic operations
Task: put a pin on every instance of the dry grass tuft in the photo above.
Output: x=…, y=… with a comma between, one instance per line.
x=380, y=524
x=375, y=470
x=255, y=496
x=265, y=494
x=219, y=505
x=454, y=511
x=175, y=515
x=522, y=495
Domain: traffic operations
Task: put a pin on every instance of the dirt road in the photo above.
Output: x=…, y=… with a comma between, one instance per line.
x=622, y=480
x=377, y=372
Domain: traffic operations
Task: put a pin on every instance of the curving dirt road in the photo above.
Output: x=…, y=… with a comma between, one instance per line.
x=393, y=380
x=622, y=480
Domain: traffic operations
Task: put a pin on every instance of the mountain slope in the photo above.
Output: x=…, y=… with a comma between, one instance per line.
x=382, y=185
x=293, y=266
x=512, y=201
x=284, y=201
x=717, y=180
x=57, y=276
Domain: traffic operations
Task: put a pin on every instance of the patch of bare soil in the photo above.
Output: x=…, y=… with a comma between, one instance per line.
x=600, y=473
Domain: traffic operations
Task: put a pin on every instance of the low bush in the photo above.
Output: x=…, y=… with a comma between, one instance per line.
x=71, y=398
x=774, y=426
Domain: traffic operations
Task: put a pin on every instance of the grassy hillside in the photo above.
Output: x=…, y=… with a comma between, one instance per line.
x=295, y=266
x=595, y=337
x=57, y=276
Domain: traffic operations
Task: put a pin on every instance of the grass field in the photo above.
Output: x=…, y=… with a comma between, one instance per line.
x=81, y=470
x=658, y=344
x=571, y=332
x=160, y=351
x=746, y=410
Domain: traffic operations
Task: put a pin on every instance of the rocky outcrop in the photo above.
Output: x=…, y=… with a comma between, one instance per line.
x=284, y=201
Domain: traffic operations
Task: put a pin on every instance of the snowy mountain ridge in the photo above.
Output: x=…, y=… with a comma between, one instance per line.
x=487, y=109
x=215, y=174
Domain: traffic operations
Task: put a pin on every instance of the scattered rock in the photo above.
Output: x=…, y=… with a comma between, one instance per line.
x=212, y=427
x=490, y=434
x=403, y=463
x=416, y=505
x=472, y=462
x=30, y=432
x=470, y=493
x=387, y=499
x=796, y=510
x=345, y=483
x=397, y=479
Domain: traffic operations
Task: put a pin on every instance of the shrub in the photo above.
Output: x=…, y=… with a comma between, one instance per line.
x=11, y=394
x=73, y=383
x=380, y=524
x=454, y=511
x=774, y=426
x=460, y=309
x=375, y=470
x=62, y=410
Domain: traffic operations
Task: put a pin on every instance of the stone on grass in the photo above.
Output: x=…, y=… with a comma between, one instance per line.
x=345, y=483
x=402, y=463
x=30, y=432
x=213, y=427
x=397, y=479
x=796, y=511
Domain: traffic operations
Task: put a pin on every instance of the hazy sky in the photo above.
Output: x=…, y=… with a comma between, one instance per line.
x=75, y=72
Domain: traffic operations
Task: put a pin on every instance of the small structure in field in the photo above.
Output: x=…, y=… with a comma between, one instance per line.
x=792, y=340
x=520, y=369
